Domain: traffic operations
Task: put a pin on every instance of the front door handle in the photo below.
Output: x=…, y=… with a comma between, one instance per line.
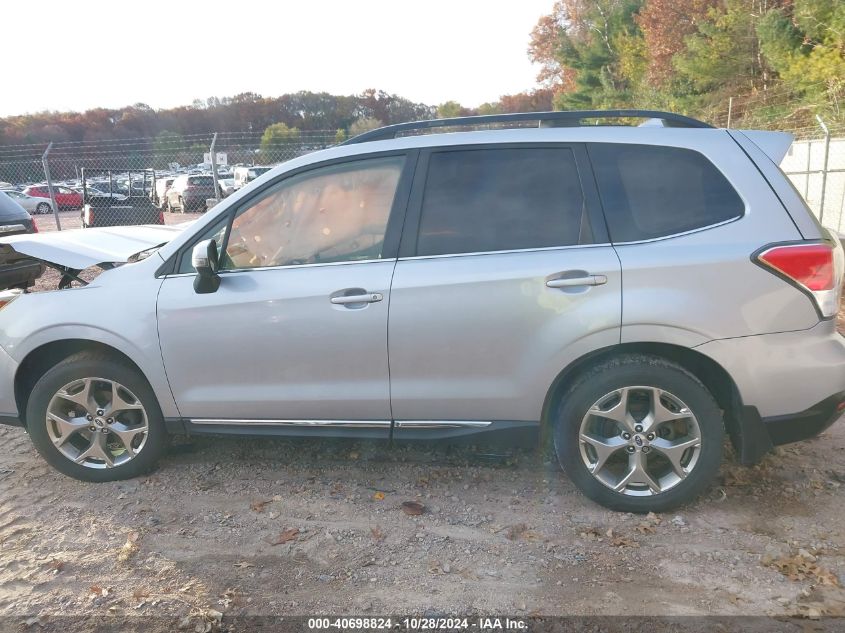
x=370, y=297
x=589, y=280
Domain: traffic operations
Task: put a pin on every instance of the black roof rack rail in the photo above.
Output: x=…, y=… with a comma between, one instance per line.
x=572, y=118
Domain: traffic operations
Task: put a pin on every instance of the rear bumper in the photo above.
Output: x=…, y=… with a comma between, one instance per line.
x=20, y=273
x=789, y=386
x=784, y=429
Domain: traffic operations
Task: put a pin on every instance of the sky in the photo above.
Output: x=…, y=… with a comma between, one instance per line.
x=90, y=53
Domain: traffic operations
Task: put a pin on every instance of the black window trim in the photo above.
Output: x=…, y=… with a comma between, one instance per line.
x=697, y=229
x=393, y=231
x=598, y=226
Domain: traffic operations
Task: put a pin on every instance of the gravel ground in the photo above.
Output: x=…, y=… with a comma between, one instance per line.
x=234, y=527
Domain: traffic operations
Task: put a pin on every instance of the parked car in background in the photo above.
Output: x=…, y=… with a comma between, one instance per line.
x=16, y=271
x=163, y=183
x=188, y=193
x=244, y=175
x=227, y=186
x=66, y=198
x=30, y=203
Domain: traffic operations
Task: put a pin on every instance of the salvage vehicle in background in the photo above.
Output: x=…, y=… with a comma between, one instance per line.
x=66, y=198
x=30, y=203
x=16, y=270
x=109, y=209
x=501, y=255
x=245, y=174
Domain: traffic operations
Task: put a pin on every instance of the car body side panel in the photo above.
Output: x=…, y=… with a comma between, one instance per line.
x=481, y=337
x=704, y=281
x=784, y=373
x=118, y=309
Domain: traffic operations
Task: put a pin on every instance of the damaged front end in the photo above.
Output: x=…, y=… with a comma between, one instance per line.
x=79, y=255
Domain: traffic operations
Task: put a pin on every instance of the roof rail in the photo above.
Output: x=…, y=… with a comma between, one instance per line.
x=572, y=118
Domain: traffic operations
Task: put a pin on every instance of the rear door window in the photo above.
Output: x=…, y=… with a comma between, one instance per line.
x=652, y=191
x=483, y=200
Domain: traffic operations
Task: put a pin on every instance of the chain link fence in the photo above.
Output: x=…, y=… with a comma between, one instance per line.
x=816, y=165
x=140, y=181
x=170, y=179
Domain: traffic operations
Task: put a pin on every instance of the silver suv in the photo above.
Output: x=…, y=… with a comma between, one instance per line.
x=632, y=293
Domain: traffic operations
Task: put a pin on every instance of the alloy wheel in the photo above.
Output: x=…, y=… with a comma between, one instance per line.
x=640, y=441
x=97, y=423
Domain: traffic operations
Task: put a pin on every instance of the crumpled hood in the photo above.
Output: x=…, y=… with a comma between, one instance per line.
x=80, y=248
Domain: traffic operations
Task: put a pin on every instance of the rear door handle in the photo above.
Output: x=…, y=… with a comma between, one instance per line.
x=589, y=280
x=370, y=297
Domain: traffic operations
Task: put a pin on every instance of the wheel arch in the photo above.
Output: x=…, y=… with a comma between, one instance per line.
x=708, y=371
x=42, y=358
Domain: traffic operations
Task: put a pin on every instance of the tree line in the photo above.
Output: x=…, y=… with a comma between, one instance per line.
x=774, y=63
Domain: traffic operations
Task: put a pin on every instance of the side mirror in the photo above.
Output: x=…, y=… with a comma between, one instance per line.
x=204, y=260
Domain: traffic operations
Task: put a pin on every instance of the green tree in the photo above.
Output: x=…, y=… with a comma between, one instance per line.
x=277, y=138
x=359, y=126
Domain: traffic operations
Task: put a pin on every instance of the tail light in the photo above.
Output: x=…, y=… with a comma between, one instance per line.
x=161, y=217
x=34, y=225
x=816, y=269
x=88, y=216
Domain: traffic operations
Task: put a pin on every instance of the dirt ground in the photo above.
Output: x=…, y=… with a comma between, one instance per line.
x=227, y=528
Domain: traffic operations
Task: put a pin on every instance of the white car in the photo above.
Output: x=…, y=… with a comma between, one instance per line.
x=30, y=203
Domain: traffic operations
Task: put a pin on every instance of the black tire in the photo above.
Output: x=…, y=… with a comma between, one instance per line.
x=92, y=364
x=42, y=208
x=645, y=371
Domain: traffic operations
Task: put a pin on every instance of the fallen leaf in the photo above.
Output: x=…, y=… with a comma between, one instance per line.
x=243, y=564
x=624, y=541
x=802, y=566
x=285, y=536
x=378, y=535
x=56, y=565
x=515, y=531
x=413, y=508
x=258, y=506
x=129, y=549
x=378, y=496
x=140, y=594
x=591, y=534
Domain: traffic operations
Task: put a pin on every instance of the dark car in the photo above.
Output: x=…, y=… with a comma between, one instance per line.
x=16, y=271
x=189, y=193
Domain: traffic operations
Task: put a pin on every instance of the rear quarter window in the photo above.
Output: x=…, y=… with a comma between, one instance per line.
x=651, y=191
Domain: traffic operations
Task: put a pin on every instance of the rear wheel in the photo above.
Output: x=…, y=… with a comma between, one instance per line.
x=639, y=434
x=42, y=207
x=96, y=419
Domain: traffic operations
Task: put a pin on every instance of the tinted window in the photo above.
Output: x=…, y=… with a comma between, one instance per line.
x=652, y=191
x=501, y=199
x=202, y=181
x=331, y=214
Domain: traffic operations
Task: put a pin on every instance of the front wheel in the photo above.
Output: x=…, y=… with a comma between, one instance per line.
x=639, y=434
x=43, y=207
x=96, y=419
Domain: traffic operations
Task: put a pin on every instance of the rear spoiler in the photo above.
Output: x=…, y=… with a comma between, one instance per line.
x=775, y=145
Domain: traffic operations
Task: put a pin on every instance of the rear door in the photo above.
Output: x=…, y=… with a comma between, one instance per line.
x=505, y=276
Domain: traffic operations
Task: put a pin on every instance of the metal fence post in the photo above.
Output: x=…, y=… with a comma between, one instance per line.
x=46, y=164
x=214, y=168
x=824, y=165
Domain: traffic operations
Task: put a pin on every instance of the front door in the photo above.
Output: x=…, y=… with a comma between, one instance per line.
x=296, y=333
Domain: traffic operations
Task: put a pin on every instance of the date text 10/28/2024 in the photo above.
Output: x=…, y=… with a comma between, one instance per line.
x=418, y=624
